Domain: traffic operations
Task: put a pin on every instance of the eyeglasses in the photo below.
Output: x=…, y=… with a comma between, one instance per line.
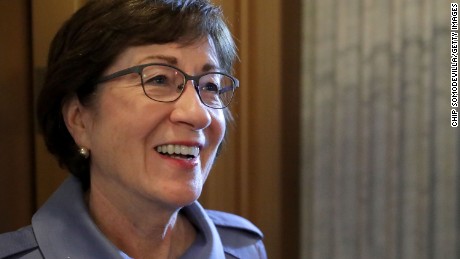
x=165, y=83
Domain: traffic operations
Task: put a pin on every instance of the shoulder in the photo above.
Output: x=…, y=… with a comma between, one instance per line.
x=240, y=237
x=235, y=223
x=18, y=244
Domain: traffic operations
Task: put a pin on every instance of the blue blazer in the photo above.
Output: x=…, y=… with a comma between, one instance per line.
x=63, y=229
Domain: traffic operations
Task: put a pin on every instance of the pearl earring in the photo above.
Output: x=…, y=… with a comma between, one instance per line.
x=84, y=152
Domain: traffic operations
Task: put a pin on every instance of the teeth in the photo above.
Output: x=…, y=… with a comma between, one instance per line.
x=178, y=150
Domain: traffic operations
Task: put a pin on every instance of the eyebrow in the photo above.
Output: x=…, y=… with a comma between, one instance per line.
x=170, y=60
x=210, y=67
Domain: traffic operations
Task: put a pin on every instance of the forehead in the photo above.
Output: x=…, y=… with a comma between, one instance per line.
x=199, y=53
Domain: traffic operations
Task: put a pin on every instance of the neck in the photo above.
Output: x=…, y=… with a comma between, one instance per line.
x=140, y=229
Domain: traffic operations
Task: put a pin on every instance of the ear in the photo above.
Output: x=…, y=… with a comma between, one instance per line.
x=77, y=120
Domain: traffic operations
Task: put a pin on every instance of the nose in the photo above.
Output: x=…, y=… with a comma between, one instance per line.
x=189, y=109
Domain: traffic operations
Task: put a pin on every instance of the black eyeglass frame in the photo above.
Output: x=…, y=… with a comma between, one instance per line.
x=195, y=79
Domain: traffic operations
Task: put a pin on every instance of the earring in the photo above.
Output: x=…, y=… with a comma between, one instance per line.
x=84, y=152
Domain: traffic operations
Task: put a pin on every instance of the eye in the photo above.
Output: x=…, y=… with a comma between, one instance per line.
x=210, y=83
x=210, y=87
x=159, y=80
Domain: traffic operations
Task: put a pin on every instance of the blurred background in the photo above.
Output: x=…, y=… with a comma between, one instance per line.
x=342, y=145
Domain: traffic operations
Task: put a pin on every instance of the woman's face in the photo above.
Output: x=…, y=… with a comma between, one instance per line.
x=123, y=128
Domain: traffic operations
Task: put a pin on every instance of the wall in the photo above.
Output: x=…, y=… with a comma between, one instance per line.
x=16, y=142
x=380, y=168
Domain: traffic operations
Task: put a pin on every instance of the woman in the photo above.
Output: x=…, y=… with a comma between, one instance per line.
x=134, y=106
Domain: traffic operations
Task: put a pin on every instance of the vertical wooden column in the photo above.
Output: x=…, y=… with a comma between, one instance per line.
x=16, y=145
x=290, y=90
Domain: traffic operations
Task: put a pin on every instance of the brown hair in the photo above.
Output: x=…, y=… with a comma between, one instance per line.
x=95, y=35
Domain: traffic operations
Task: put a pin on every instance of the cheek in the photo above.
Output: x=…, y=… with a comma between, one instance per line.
x=120, y=123
x=219, y=125
x=216, y=134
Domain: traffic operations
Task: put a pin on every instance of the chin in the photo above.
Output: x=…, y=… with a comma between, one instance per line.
x=185, y=196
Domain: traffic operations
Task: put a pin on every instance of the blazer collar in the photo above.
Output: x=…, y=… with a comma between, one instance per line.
x=64, y=229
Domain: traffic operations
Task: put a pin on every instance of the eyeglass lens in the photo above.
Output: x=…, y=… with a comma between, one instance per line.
x=165, y=84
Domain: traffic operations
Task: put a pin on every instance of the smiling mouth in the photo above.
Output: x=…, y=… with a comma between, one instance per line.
x=179, y=151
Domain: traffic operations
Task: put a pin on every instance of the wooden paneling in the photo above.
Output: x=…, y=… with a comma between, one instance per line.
x=290, y=89
x=16, y=148
x=379, y=153
x=47, y=17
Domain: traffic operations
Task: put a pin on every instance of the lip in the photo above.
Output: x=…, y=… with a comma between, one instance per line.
x=181, y=163
x=178, y=162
